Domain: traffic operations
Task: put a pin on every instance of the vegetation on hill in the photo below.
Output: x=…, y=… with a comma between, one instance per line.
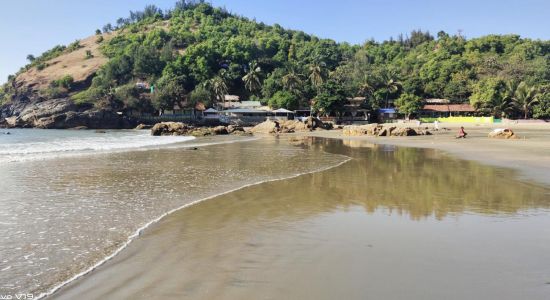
x=196, y=52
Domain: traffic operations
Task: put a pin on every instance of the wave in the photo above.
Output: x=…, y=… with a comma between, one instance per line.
x=44, y=148
x=140, y=230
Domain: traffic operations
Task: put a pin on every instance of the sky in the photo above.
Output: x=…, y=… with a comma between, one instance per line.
x=34, y=26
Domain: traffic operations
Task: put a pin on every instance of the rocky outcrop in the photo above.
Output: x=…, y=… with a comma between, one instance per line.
x=289, y=126
x=170, y=128
x=176, y=128
x=380, y=130
x=505, y=133
x=60, y=114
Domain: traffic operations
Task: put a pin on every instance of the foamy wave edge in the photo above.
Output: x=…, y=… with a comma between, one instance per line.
x=158, y=219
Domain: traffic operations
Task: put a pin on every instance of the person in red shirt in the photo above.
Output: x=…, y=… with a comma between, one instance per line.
x=461, y=133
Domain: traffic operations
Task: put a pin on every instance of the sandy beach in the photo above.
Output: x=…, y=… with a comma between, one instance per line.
x=432, y=218
x=530, y=154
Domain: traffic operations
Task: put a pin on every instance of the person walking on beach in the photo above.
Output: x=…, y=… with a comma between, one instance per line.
x=461, y=133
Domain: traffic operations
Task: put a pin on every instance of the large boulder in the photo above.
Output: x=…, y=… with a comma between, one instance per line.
x=354, y=130
x=503, y=133
x=266, y=127
x=404, y=131
x=314, y=123
x=170, y=128
x=220, y=130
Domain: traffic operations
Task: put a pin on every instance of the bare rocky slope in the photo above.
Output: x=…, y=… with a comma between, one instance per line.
x=31, y=107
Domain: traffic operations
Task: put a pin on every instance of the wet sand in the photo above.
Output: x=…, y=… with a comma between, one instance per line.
x=530, y=154
x=392, y=223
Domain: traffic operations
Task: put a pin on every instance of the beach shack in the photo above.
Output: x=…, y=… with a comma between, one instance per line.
x=387, y=115
x=283, y=114
x=243, y=116
x=446, y=110
x=212, y=114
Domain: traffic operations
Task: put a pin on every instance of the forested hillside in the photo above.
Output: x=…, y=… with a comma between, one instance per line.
x=196, y=52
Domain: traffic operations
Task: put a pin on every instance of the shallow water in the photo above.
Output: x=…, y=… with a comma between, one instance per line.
x=61, y=216
x=393, y=223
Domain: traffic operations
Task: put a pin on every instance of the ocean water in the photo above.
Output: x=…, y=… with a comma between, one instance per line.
x=71, y=199
x=37, y=144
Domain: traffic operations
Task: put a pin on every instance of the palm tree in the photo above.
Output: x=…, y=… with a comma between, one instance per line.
x=218, y=87
x=252, y=80
x=316, y=74
x=391, y=86
x=504, y=104
x=292, y=81
x=366, y=88
x=524, y=97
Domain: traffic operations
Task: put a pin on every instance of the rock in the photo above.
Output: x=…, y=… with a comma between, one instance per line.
x=169, y=128
x=405, y=131
x=200, y=132
x=313, y=123
x=233, y=129
x=220, y=130
x=100, y=131
x=59, y=114
x=266, y=127
x=503, y=133
x=79, y=128
x=143, y=126
x=383, y=132
x=354, y=130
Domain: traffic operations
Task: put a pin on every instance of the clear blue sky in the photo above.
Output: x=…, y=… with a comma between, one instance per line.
x=33, y=26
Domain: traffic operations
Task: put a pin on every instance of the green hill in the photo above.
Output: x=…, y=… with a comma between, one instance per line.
x=198, y=53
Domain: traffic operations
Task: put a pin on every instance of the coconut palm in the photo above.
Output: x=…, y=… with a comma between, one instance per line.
x=391, y=85
x=252, y=80
x=316, y=74
x=504, y=105
x=365, y=87
x=292, y=81
x=524, y=97
x=218, y=87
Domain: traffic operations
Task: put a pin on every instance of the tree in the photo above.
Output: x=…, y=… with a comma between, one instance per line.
x=98, y=32
x=147, y=62
x=486, y=93
x=316, y=75
x=408, y=104
x=542, y=109
x=331, y=99
x=201, y=94
x=218, y=87
x=107, y=28
x=169, y=90
x=31, y=58
x=292, y=82
x=391, y=86
x=252, y=80
x=284, y=99
x=525, y=97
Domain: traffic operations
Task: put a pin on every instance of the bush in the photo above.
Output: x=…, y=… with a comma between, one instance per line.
x=41, y=66
x=65, y=82
x=99, y=39
x=54, y=92
x=89, y=54
x=74, y=46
